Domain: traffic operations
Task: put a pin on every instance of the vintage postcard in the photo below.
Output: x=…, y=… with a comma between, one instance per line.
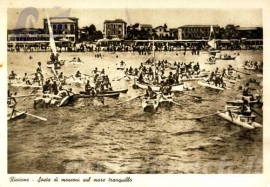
x=137, y=90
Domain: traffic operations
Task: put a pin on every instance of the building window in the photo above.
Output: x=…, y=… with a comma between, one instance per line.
x=114, y=26
x=66, y=26
x=119, y=32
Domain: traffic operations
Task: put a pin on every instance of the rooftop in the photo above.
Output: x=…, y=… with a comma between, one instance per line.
x=247, y=28
x=115, y=21
x=61, y=20
x=146, y=25
x=198, y=26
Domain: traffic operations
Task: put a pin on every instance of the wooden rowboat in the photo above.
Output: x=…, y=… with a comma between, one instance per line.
x=241, y=120
x=150, y=105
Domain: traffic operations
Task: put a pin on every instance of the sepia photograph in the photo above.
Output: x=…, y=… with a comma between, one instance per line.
x=134, y=91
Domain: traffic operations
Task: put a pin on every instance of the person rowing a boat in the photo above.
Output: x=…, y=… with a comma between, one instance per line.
x=150, y=93
x=122, y=63
x=52, y=57
x=37, y=78
x=12, y=75
x=88, y=89
x=246, y=91
x=78, y=74
x=26, y=79
x=10, y=99
x=54, y=88
x=46, y=87
x=246, y=110
x=166, y=88
x=211, y=78
x=39, y=71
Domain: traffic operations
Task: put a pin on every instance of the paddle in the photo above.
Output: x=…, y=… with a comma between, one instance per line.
x=241, y=72
x=130, y=99
x=41, y=118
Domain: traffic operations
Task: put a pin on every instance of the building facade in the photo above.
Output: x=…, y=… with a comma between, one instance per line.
x=63, y=27
x=115, y=28
x=196, y=32
x=250, y=32
x=162, y=32
x=145, y=27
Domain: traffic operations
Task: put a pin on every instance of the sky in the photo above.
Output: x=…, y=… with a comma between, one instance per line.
x=32, y=17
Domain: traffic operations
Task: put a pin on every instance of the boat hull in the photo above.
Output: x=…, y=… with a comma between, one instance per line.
x=237, y=122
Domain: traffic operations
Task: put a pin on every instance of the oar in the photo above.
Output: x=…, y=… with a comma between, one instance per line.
x=209, y=115
x=256, y=112
x=41, y=118
x=176, y=103
x=241, y=72
x=198, y=97
x=121, y=78
x=29, y=95
x=130, y=99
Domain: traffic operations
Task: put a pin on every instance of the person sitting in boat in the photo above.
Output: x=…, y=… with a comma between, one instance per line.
x=140, y=79
x=10, y=99
x=102, y=72
x=73, y=60
x=79, y=60
x=62, y=92
x=170, y=79
x=224, y=74
x=246, y=110
x=222, y=83
x=246, y=91
x=12, y=75
x=216, y=71
x=88, y=89
x=130, y=71
x=141, y=66
x=106, y=82
x=78, y=74
x=176, y=78
x=211, y=78
x=96, y=76
x=150, y=93
x=54, y=88
x=136, y=72
x=46, y=87
x=30, y=57
x=37, y=78
x=166, y=88
x=57, y=57
x=122, y=63
x=95, y=71
x=52, y=57
x=150, y=73
x=26, y=79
